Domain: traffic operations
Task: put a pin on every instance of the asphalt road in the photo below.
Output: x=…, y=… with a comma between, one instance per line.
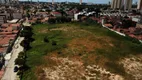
x=9, y=73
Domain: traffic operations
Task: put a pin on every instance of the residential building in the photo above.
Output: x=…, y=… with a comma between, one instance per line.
x=5, y=1
x=52, y=1
x=17, y=15
x=112, y=3
x=80, y=2
x=7, y=15
x=139, y=6
x=117, y=4
x=2, y=19
x=56, y=14
x=128, y=4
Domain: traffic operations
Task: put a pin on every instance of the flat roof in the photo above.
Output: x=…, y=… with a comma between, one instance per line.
x=13, y=21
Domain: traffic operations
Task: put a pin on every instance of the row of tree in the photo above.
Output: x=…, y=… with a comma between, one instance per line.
x=21, y=60
x=59, y=20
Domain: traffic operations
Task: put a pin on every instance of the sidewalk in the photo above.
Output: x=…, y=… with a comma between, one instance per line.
x=9, y=73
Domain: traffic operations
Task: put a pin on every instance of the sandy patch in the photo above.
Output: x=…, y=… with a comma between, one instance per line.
x=133, y=66
x=63, y=29
x=69, y=69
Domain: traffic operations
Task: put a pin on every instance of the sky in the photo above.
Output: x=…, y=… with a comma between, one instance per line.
x=89, y=1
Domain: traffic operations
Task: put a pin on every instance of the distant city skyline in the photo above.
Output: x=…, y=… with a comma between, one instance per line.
x=89, y=1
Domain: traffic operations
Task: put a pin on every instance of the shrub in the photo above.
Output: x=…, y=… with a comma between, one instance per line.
x=46, y=39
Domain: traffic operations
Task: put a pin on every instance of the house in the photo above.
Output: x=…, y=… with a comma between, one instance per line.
x=70, y=13
x=17, y=15
x=45, y=20
x=108, y=25
x=139, y=25
x=2, y=19
x=43, y=14
x=56, y=14
x=7, y=15
x=13, y=21
x=15, y=26
x=2, y=50
x=4, y=25
x=4, y=42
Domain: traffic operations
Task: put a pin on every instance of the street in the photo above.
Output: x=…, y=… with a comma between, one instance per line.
x=9, y=73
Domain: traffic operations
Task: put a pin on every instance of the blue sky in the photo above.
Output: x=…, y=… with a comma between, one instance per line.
x=90, y=1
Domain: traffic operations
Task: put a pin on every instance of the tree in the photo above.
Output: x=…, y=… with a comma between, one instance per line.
x=19, y=61
x=26, y=32
x=126, y=23
x=51, y=21
x=21, y=55
x=26, y=44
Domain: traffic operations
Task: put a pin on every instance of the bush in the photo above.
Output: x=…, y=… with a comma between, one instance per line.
x=46, y=40
x=134, y=40
x=54, y=43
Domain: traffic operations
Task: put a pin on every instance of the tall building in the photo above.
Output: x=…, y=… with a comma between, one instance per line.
x=52, y=1
x=5, y=1
x=2, y=1
x=80, y=2
x=117, y=4
x=113, y=3
x=15, y=1
x=128, y=4
x=139, y=7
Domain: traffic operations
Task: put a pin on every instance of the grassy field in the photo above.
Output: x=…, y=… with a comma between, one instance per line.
x=88, y=43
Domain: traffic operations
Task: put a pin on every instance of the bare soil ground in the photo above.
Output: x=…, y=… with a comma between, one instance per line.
x=133, y=66
x=68, y=69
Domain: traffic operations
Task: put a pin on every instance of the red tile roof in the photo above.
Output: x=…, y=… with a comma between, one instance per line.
x=15, y=31
x=55, y=12
x=2, y=49
x=5, y=25
x=15, y=25
x=108, y=25
x=5, y=33
x=4, y=41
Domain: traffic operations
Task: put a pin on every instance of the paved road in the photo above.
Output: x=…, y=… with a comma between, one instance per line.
x=9, y=73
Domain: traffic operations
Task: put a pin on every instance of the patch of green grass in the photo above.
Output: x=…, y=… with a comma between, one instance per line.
x=40, y=48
